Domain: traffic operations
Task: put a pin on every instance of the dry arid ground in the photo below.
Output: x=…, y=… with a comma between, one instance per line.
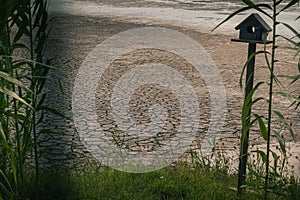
x=74, y=36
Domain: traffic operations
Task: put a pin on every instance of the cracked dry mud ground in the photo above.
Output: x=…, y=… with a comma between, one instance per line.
x=73, y=37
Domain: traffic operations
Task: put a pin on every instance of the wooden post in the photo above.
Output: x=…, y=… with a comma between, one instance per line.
x=245, y=143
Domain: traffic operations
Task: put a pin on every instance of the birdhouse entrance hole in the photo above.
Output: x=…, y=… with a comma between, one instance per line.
x=251, y=29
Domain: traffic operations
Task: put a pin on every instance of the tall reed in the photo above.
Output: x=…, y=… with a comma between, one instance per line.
x=270, y=10
x=23, y=73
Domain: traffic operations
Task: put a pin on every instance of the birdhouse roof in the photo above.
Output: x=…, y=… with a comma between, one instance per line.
x=254, y=18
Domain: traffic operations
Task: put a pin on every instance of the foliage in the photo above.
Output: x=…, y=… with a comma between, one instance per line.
x=23, y=72
x=272, y=11
x=174, y=182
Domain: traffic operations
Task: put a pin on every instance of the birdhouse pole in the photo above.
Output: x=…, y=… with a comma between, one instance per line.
x=245, y=143
x=253, y=30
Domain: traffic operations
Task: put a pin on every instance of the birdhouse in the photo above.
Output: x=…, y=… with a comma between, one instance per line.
x=253, y=28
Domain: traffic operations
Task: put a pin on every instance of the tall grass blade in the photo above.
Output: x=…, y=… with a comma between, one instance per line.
x=290, y=4
x=285, y=123
x=15, y=96
x=13, y=80
x=256, y=6
x=252, y=56
x=262, y=127
x=288, y=95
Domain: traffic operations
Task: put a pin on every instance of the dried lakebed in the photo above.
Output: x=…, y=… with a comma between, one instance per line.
x=74, y=36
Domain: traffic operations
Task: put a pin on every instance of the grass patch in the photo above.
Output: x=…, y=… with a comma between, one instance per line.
x=173, y=182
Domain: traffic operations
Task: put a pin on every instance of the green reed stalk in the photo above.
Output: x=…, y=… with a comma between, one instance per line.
x=19, y=163
x=270, y=106
x=33, y=88
x=19, y=103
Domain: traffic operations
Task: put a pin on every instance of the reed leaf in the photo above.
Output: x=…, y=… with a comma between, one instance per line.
x=14, y=81
x=289, y=5
x=262, y=155
x=15, y=96
x=289, y=27
x=254, y=6
x=252, y=56
x=281, y=142
x=6, y=189
x=262, y=127
x=290, y=96
x=284, y=122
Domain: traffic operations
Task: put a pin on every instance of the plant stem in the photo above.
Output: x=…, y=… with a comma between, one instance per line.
x=19, y=158
x=270, y=98
x=33, y=98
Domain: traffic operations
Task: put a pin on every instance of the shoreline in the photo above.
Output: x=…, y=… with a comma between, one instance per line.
x=149, y=12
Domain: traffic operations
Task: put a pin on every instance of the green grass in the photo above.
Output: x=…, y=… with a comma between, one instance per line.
x=179, y=182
